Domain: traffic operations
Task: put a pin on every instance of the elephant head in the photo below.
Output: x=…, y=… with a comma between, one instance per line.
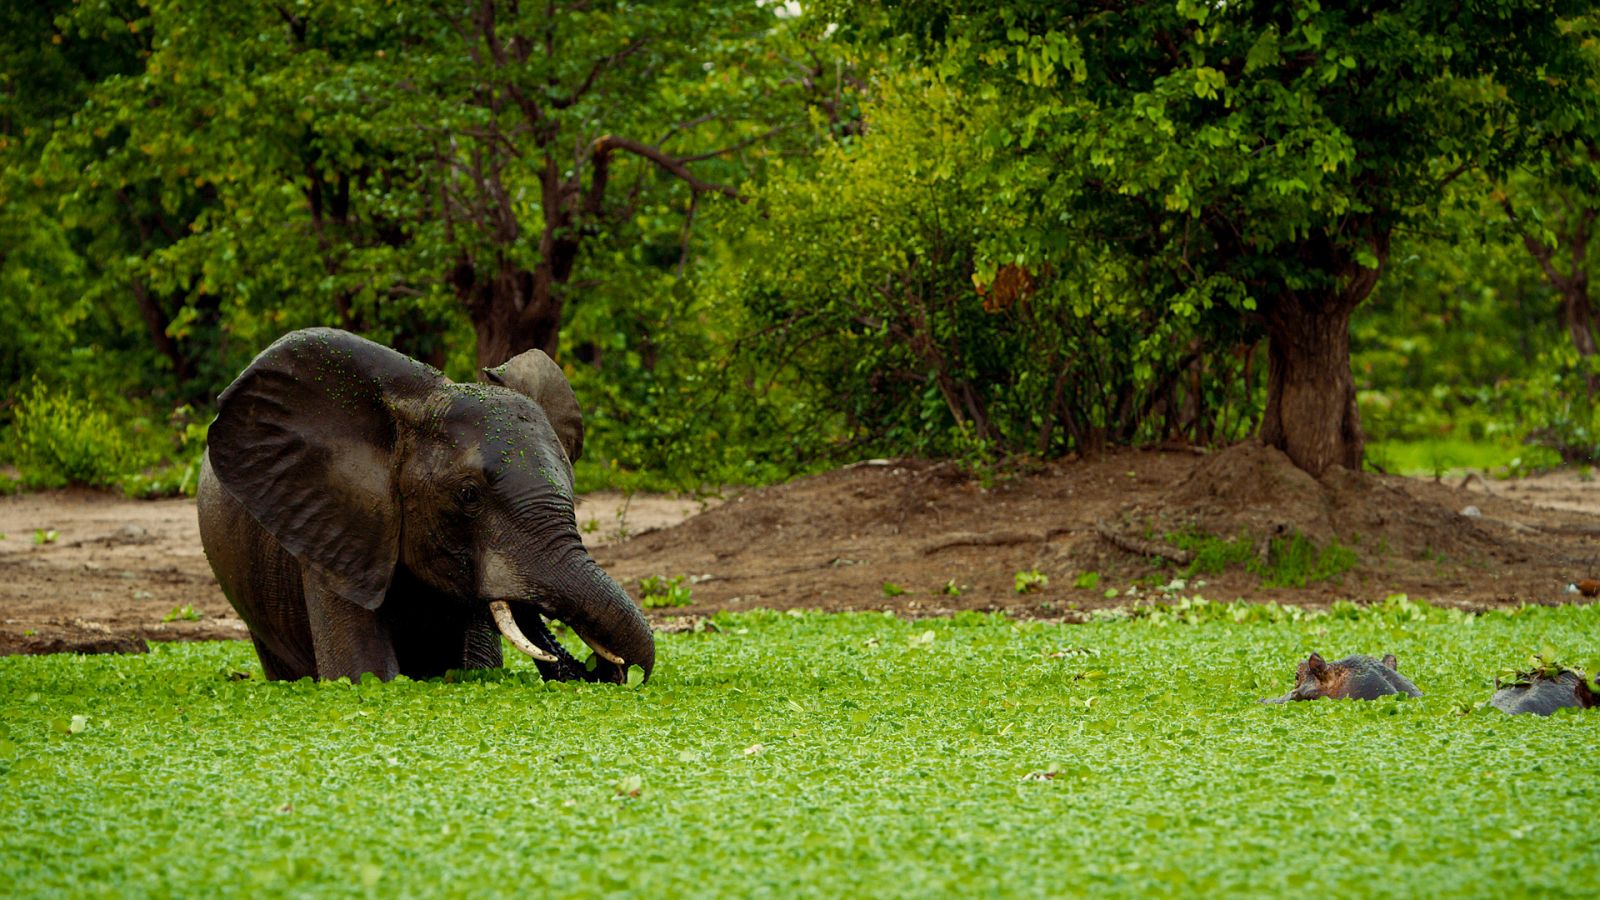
x=371, y=469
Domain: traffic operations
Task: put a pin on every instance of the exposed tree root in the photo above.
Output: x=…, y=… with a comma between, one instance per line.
x=1141, y=547
x=982, y=539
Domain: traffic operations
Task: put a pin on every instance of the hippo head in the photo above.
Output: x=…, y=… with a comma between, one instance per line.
x=1354, y=678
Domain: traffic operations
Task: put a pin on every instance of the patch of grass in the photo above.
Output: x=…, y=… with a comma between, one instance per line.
x=1212, y=555
x=1030, y=581
x=1296, y=562
x=926, y=758
x=1293, y=561
x=1438, y=457
x=656, y=591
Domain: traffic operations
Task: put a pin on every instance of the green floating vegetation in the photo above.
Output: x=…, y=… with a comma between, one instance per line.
x=823, y=755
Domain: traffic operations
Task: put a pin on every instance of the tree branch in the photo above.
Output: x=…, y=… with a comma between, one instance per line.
x=735, y=148
x=600, y=65
x=603, y=148
x=297, y=25
x=1541, y=253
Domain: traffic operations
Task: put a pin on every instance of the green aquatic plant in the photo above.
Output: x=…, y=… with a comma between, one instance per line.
x=970, y=755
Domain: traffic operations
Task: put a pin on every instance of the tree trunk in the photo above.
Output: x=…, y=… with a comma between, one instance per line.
x=1311, y=397
x=512, y=310
x=1577, y=312
x=156, y=321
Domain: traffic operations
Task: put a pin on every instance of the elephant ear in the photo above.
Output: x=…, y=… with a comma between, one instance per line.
x=304, y=439
x=536, y=376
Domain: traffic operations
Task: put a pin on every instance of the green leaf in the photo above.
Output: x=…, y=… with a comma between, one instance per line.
x=1264, y=52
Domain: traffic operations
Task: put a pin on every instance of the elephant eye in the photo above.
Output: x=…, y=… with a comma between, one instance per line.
x=468, y=497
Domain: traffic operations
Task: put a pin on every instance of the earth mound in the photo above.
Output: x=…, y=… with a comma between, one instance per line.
x=85, y=571
x=923, y=538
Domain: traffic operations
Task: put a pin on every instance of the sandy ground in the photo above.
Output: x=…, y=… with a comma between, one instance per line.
x=90, y=571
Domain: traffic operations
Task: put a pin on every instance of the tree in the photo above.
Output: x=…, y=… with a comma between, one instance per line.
x=866, y=302
x=1554, y=202
x=550, y=97
x=43, y=284
x=399, y=169
x=1256, y=157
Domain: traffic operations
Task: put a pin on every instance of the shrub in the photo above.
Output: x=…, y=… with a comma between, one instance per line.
x=913, y=316
x=59, y=438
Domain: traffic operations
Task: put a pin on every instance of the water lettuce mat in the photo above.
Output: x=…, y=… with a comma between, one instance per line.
x=822, y=755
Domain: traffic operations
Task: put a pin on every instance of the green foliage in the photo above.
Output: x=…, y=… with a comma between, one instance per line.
x=906, y=338
x=181, y=185
x=1213, y=554
x=1546, y=662
x=1115, y=743
x=1439, y=457
x=1291, y=561
x=1465, y=346
x=1229, y=169
x=1294, y=561
x=1087, y=581
x=183, y=613
x=1029, y=230
x=890, y=589
x=1029, y=581
x=656, y=591
x=59, y=438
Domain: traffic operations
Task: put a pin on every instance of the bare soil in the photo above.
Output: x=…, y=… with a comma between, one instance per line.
x=908, y=536
x=118, y=572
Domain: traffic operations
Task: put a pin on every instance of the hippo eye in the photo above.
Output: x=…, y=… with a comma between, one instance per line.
x=468, y=497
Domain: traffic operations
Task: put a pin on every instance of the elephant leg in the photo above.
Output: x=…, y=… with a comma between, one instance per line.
x=349, y=639
x=274, y=668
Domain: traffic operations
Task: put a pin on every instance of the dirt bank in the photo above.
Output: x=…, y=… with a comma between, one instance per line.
x=910, y=536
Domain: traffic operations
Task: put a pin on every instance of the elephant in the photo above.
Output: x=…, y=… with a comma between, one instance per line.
x=364, y=513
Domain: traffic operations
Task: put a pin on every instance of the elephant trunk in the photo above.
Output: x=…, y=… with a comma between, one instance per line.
x=596, y=609
x=600, y=612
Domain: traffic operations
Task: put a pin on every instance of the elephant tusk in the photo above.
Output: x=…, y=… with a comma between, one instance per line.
x=508, y=627
x=595, y=646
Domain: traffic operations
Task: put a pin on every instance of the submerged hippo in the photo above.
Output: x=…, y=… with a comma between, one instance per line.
x=1353, y=678
x=1541, y=694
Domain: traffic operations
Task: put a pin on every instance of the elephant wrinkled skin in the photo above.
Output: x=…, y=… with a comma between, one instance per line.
x=363, y=513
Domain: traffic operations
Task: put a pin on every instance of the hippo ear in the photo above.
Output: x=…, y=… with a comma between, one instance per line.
x=536, y=376
x=1315, y=665
x=1390, y=661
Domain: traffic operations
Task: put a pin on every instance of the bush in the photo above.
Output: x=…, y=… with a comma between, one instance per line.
x=897, y=304
x=58, y=438
x=1555, y=407
x=178, y=472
